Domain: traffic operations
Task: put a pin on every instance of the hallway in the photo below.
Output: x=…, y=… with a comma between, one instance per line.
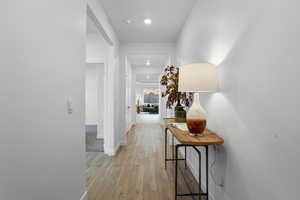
x=82, y=82
x=137, y=171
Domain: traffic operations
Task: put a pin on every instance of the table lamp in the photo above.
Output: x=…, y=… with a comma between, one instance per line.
x=197, y=77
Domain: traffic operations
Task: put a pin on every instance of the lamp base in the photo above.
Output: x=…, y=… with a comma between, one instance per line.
x=196, y=134
x=196, y=126
x=195, y=119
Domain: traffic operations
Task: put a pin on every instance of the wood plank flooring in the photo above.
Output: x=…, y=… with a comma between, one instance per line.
x=137, y=172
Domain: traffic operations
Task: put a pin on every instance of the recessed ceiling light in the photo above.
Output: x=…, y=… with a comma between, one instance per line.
x=148, y=77
x=127, y=21
x=147, y=21
x=148, y=63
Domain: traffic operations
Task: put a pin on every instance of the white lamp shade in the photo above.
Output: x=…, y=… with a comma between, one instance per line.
x=197, y=77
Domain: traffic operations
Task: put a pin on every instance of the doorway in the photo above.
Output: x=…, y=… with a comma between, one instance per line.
x=94, y=93
x=149, y=99
x=98, y=95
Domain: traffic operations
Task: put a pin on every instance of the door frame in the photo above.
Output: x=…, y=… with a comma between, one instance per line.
x=108, y=100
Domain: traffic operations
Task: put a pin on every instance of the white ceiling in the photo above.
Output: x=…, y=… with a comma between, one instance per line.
x=147, y=78
x=157, y=61
x=148, y=74
x=168, y=17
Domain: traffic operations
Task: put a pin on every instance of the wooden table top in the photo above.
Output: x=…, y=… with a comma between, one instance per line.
x=183, y=137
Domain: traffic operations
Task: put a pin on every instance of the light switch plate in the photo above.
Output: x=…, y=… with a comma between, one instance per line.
x=69, y=106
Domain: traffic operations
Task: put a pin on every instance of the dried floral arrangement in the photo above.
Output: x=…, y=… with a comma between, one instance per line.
x=170, y=81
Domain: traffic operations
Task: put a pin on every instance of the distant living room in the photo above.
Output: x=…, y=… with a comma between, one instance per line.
x=148, y=101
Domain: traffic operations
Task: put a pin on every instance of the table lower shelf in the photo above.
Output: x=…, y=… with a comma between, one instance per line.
x=187, y=184
x=176, y=158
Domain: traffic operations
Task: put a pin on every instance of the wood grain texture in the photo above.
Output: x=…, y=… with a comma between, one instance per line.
x=183, y=137
x=137, y=171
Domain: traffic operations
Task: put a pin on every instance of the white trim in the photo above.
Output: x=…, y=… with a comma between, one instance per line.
x=151, y=84
x=96, y=12
x=111, y=151
x=84, y=196
x=117, y=147
x=132, y=123
x=108, y=120
x=94, y=62
x=124, y=137
x=123, y=142
x=99, y=25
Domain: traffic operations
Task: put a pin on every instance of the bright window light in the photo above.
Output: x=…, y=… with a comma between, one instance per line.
x=148, y=21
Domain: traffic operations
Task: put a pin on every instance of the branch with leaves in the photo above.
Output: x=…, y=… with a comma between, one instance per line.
x=170, y=81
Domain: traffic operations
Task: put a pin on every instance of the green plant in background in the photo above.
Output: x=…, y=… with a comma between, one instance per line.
x=170, y=81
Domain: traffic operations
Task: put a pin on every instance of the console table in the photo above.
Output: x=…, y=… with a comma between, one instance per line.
x=185, y=140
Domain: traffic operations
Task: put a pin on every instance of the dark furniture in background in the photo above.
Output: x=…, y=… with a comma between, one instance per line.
x=150, y=108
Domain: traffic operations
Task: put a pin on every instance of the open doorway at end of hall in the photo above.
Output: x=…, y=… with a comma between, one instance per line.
x=148, y=100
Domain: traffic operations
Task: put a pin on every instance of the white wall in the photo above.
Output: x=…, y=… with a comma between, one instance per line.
x=91, y=94
x=144, y=70
x=256, y=46
x=96, y=48
x=42, y=66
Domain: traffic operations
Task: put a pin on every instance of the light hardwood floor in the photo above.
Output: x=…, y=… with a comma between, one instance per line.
x=137, y=172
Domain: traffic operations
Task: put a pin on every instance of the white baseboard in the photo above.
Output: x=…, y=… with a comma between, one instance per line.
x=123, y=142
x=130, y=126
x=109, y=151
x=84, y=196
x=117, y=147
x=124, y=137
